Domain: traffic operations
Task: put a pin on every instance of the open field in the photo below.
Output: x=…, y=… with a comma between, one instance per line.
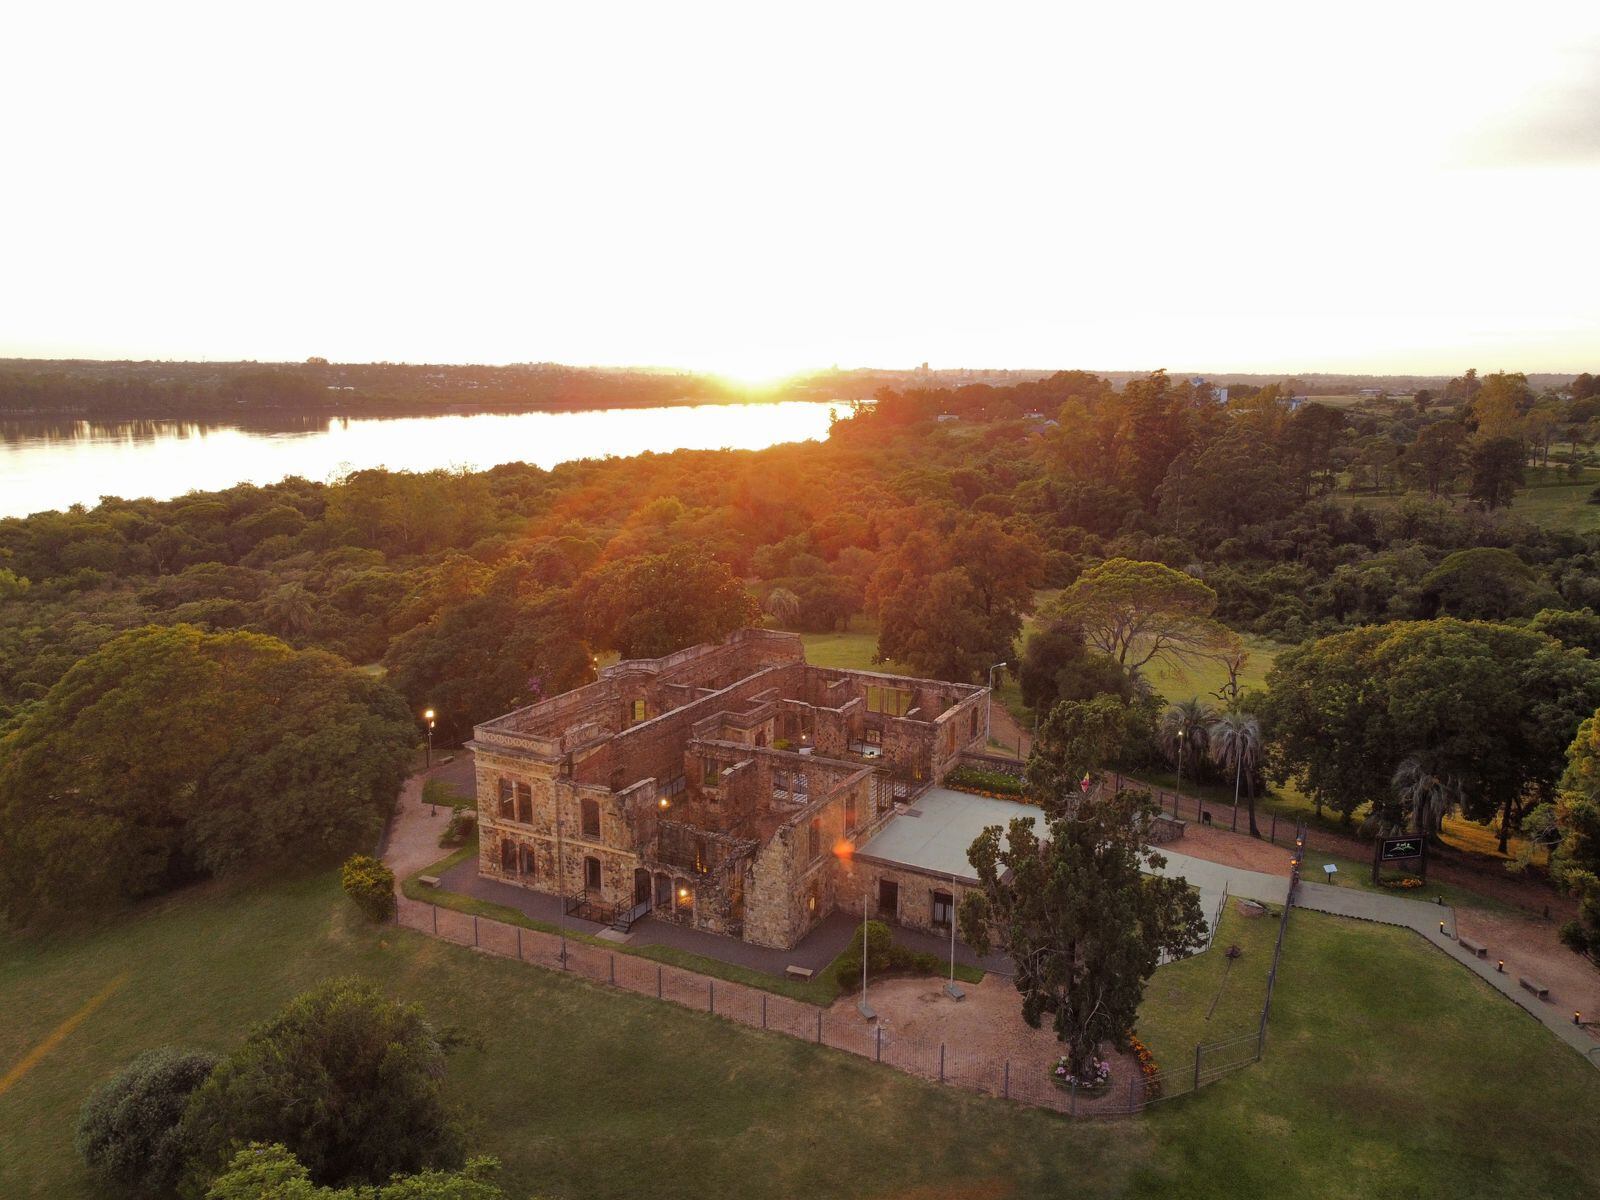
x=1550, y=500
x=1386, y=1064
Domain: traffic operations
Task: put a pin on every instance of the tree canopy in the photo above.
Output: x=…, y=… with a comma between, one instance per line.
x=1142, y=612
x=171, y=753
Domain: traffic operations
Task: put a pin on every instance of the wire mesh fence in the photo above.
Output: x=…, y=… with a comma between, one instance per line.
x=1032, y=1080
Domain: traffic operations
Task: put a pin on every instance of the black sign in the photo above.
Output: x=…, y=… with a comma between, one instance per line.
x=1396, y=848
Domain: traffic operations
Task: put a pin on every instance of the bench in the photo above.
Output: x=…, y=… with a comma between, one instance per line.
x=800, y=973
x=1538, y=989
x=1472, y=947
x=428, y=880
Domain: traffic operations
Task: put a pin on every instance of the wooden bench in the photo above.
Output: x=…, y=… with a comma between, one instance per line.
x=800, y=973
x=1538, y=989
x=1472, y=947
x=428, y=880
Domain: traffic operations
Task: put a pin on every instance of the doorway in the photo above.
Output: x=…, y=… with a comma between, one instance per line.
x=888, y=899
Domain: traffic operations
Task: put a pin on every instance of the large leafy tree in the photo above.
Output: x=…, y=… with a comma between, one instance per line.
x=1140, y=613
x=1488, y=706
x=1082, y=924
x=513, y=645
x=171, y=753
x=1494, y=472
x=1576, y=861
x=350, y=1082
x=129, y=1127
x=652, y=604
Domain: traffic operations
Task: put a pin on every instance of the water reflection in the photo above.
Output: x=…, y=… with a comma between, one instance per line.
x=47, y=464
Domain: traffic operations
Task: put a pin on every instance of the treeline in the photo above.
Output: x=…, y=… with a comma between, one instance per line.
x=476, y=592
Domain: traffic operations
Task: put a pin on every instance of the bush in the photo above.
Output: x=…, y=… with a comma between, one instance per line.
x=462, y=822
x=129, y=1127
x=988, y=783
x=884, y=956
x=370, y=884
x=350, y=1083
x=260, y=1170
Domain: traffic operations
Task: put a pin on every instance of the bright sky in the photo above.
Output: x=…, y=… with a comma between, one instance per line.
x=753, y=188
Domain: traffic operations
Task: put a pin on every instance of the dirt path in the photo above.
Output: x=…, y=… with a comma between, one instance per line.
x=1003, y=728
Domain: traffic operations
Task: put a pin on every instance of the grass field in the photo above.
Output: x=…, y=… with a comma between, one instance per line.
x=1389, y=1071
x=1550, y=500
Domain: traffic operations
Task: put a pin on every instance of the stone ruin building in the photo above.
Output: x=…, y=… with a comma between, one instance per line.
x=714, y=786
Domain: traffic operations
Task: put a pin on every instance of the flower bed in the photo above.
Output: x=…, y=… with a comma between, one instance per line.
x=997, y=785
x=1147, y=1067
x=1097, y=1078
x=1404, y=884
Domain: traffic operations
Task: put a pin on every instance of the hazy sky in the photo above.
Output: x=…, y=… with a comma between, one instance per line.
x=753, y=188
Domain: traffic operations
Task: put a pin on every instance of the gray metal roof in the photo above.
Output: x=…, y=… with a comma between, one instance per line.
x=935, y=834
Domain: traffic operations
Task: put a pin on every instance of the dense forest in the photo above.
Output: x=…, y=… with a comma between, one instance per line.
x=939, y=515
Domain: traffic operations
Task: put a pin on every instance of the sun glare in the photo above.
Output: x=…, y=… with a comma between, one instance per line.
x=757, y=374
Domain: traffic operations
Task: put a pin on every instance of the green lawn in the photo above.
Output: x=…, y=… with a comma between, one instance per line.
x=1389, y=1071
x=1206, y=677
x=1549, y=500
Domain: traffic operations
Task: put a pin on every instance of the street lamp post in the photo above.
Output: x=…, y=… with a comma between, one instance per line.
x=428, y=717
x=864, y=1008
x=1177, y=800
x=986, y=711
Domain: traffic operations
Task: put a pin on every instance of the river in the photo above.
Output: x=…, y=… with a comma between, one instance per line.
x=51, y=464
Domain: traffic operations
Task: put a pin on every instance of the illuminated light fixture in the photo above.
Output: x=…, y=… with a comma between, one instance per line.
x=665, y=802
x=683, y=893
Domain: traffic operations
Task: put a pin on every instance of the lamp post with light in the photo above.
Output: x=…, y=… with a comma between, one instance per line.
x=989, y=708
x=427, y=716
x=1183, y=738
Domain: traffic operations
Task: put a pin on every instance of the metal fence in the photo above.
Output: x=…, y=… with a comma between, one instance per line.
x=1029, y=1081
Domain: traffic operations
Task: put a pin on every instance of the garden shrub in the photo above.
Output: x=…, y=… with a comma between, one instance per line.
x=370, y=884
x=462, y=822
x=884, y=956
x=985, y=783
x=129, y=1128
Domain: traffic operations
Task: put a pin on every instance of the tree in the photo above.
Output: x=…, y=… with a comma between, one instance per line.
x=1576, y=861
x=1488, y=706
x=1483, y=583
x=171, y=754
x=1234, y=742
x=652, y=604
x=1082, y=925
x=488, y=654
x=128, y=1128
x=370, y=884
x=1434, y=459
x=1142, y=612
x=270, y=1172
x=349, y=1082
x=938, y=628
x=782, y=605
x=290, y=611
x=1500, y=404
x=1058, y=665
x=1184, y=733
x=1494, y=472
x=1077, y=738
x=1426, y=796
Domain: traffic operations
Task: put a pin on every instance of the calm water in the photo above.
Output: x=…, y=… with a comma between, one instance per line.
x=53, y=464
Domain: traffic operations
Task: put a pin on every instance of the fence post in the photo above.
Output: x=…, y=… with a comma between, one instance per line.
x=519, y=943
x=474, y=929
x=819, y=1027
x=1197, y=1066
x=1007, y=1093
x=1072, y=1099
x=658, y=983
x=1133, y=1103
x=711, y=995
x=879, y=1055
x=613, y=970
x=763, y=1010
x=1234, y=827
x=941, y=1062
x=435, y=920
x=1274, y=838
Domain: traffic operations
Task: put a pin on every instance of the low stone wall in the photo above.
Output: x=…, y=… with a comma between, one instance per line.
x=991, y=762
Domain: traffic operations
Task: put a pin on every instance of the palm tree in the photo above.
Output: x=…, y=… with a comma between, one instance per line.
x=1235, y=739
x=1184, y=732
x=290, y=610
x=783, y=606
x=1426, y=794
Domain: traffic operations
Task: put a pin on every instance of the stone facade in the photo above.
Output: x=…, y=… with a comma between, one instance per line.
x=713, y=787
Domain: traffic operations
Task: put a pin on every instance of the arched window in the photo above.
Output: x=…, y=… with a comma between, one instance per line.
x=591, y=819
x=508, y=856
x=528, y=862
x=507, y=804
x=525, y=803
x=591, y=874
